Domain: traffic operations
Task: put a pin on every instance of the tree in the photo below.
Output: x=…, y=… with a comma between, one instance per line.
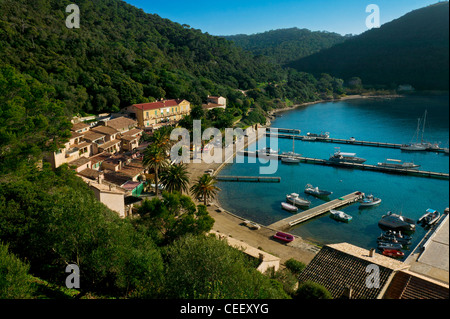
x=205, y=187
x=175, y=178
x=312, y=290
x=172, y=217
x=155, y=158
x=15, y=282
x=207, y=268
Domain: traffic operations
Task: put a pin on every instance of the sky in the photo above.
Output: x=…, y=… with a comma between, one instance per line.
x=229, y=17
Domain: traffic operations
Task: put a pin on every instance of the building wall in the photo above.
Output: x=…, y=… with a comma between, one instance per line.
x=115, y=202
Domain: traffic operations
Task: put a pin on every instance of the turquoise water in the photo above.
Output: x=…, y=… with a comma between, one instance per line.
x=381, y=120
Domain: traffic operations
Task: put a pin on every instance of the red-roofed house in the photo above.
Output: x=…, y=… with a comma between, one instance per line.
x=160, y=113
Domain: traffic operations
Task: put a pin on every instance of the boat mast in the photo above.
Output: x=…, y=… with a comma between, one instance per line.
x=423, y=127
x=293, y=145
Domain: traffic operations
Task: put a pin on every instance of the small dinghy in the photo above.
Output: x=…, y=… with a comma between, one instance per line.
x=315, y=191
x=393, y=253
x=341, y=216
x=369, y=200
x=295, y=199
x=284, y=237
x=429, y=218
x=252, y=225
x=386, y=245
x=289, y=207
x=389, y=237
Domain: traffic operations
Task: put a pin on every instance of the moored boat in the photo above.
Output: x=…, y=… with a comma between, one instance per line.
x=369, y=200
x=309, y=138
x=340, y=215
x=321, y=135
x=396, y=222
x=393, y=253
x=267, y=150
x=295, y=199
x=315, y=191
x=289, y=207
x=291, y=157
x=387, y=245
x=391, y=237
x=284, y=237
x=397, y=164
x=429, y=218
x=339, y=157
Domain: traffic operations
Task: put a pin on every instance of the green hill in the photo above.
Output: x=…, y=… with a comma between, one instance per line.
x=121, y=55
x=413, y=49
x=286, y=45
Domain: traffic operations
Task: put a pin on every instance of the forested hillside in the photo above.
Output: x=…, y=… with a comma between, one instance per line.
x=413, y=49
x=120, y=55
x=286, y=45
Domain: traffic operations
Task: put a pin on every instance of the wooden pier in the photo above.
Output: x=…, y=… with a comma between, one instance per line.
x=296, y=219
x=260, y=179
x=369, y=167
x=342, y=141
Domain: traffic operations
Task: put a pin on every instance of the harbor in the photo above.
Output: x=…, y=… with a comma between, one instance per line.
x=407, y=190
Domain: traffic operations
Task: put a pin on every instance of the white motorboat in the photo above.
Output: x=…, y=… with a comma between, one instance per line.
x=315, y=191
x=369, y=200
x=394, y=163
x=267, y=150
x=290, y=160
x=289, y=207
x=295, y=199
x=340, y=215
x=309, y=138
x=339, y=157
x=321, y=135
x=429, y=218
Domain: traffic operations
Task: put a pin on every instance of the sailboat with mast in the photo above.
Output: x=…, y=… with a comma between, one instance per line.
x=418, y=146
x=291, y=157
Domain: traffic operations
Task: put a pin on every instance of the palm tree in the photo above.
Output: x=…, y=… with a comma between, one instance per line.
x=161, y=138
x=175, y=178
x=155, y=157
x=205, y=186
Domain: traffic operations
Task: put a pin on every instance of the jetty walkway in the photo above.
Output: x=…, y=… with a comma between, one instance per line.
x=318, y=161
x=293, y=220
x=297, y=136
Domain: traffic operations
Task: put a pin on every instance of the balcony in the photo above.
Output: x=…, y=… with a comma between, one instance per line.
x=72, y=151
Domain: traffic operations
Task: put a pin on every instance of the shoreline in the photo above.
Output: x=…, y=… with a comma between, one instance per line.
x=231, y=224
x=347, y=97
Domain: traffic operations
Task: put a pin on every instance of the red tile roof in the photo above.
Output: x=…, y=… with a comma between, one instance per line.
x=158, y=105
